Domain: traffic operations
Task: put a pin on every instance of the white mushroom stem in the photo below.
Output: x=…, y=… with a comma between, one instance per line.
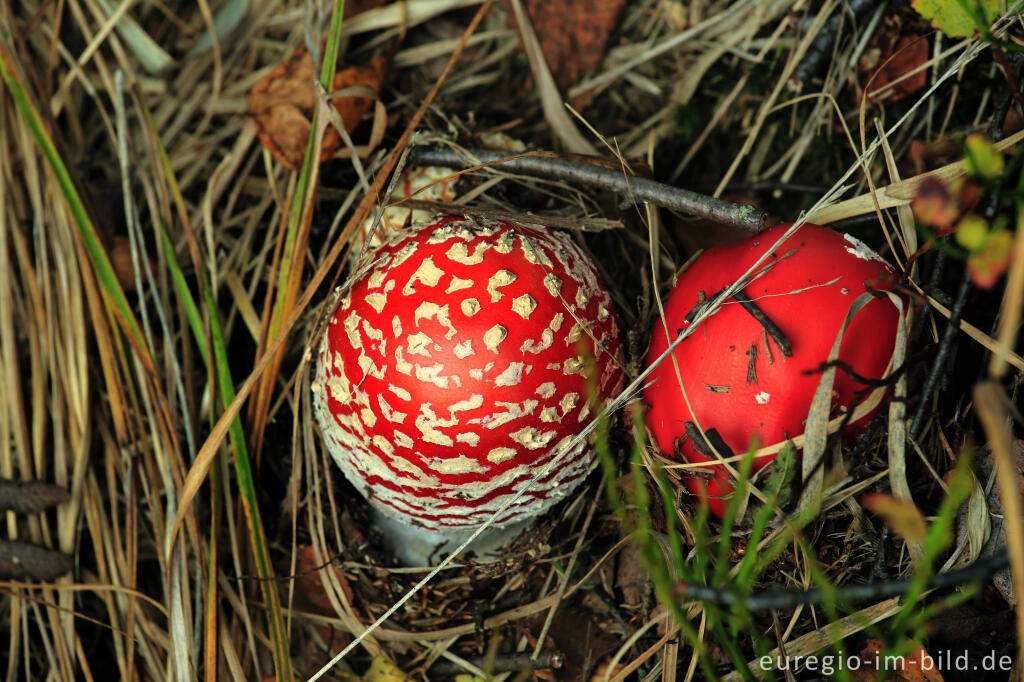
x=418, y=546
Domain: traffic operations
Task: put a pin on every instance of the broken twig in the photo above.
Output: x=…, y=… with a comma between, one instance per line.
x=548, y=165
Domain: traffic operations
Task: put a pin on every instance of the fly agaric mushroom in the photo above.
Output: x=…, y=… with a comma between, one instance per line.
x=751, y=369
x=455, y=369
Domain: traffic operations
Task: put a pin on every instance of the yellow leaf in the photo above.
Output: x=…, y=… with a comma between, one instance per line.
x=983, y=159
x=971, y=232
x=958, y=18
x=383, y=670
x=901, y=516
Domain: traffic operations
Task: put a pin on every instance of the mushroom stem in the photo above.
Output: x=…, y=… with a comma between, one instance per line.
x=419, y=546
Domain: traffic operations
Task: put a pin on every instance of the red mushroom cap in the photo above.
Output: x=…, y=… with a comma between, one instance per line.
x=455, y=368
x=737, y=377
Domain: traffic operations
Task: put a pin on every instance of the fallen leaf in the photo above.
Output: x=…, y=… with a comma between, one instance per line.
x=894, y=53
x=282, y=103
x=901, y=516
x=958, y=18
x=573, y=34
x=926, y=156
x=310, y=593
x=973, y=523
x=916, y=666
x=631, y=577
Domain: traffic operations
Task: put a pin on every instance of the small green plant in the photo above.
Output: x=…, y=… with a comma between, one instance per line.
x=954, y=208
x=716, y=577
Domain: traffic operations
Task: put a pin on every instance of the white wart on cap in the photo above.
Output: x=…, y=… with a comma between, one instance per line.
x=458, y=364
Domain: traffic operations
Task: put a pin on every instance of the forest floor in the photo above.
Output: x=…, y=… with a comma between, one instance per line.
x=169, y=238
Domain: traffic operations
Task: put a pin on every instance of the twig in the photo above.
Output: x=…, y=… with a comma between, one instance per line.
x=613, y=610
x=769, y=326
x=20, y=559
x=30, y=497
x=548, y=165
x=780, y=599
x=548, y=659
x=823, y=45
x=940, y=359
x=581, y=224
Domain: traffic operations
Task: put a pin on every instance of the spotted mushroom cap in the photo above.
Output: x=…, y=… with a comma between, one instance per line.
x=455, y=368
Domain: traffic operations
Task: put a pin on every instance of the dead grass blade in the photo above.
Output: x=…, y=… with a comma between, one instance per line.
x=204, y=458
x=288, y=277
x=112, y=290
x=992, y=406
x=829, y=634
x=898, y=193
x=550, y=99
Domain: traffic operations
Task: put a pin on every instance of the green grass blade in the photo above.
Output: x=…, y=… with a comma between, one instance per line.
x=243, y=467
x=113, y=293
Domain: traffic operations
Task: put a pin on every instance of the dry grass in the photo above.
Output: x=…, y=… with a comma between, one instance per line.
x=121, y=406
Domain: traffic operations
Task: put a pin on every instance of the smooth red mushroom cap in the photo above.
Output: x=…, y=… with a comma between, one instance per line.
x=736, y=377
x=456, y=366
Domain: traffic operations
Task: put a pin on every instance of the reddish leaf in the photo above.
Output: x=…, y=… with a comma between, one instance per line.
x=896, y=50
x=991, y=260
x=907, y=54
x=929, y=155
x=310, y=592
x=282, y=104
x=932, y=204
x=916, y=666
x=573, y=34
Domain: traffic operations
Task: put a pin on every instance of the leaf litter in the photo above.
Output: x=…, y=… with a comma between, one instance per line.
x=628, y=70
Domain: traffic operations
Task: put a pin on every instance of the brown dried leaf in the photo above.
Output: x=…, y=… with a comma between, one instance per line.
x=917, y=666
x=573, y=34
x=282, y=103
x=631, y=576
x=309, y=587
x=933, y=205
x=895, y=50
x=973, y=524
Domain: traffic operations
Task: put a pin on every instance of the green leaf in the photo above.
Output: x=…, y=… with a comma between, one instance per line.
x=779, y=484
x=984, y=160
x=958, y=18
x=972, y=232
